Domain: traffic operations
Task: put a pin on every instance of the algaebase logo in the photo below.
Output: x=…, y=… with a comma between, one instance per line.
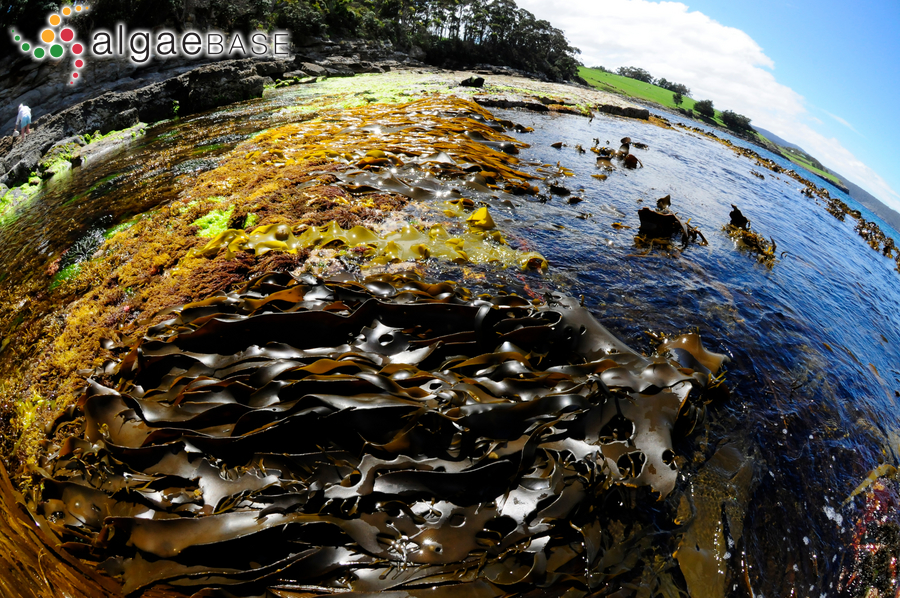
x=141, y=45
x=57, y=40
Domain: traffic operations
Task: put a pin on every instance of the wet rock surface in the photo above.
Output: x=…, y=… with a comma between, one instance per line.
x=117, y=94
x=201, y=89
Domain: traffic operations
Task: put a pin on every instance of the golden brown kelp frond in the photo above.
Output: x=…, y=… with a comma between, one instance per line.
x=377, y=435
x=32, y=564
x=478, y=245
x=755, y=243
x=428, y=131
x=334, y=169
x=739, y=230
x=35, y=563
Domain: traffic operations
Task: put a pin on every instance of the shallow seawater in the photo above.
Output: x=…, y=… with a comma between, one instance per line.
x=813, y=340
x=805, y=336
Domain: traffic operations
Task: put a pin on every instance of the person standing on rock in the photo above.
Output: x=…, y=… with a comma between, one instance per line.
x=23, y=120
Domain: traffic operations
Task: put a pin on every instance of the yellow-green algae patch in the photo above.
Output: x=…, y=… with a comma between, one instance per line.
x=440, y=134
x=16, y=196
x=475, y=246
x=214, y=223
x=340, y=93
x=67, y=273
x=55, y=162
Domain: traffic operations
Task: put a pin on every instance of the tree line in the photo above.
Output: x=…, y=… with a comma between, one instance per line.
x=732, y=120
x=453, y=33
x=633, y=72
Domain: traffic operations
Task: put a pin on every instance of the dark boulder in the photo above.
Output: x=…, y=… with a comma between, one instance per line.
x=222, y=83
x=738, y=220
x=274, y=69
x=626, y=111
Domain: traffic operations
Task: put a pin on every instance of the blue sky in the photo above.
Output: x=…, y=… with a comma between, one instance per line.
x=824, y=75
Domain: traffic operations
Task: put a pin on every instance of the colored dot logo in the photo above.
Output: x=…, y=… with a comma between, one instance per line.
x=56, y=39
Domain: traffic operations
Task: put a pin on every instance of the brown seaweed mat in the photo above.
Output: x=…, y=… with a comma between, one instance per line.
x=301, y=437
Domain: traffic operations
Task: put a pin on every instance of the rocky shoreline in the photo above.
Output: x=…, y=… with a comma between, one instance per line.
x=123, y=95
x=150, y=96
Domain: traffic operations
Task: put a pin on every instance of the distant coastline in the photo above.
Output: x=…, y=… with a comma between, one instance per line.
x=662, y=98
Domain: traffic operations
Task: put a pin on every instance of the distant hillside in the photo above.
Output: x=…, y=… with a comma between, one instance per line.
x=613, y=83
x=801, y=157
x=776, y=139
x=798, y=155
x=879, y=209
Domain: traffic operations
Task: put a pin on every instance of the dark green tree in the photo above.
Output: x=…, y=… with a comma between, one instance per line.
x=735, y=121
x=633, y=72
x=677, y=98
x=673, y=87
x=705, y=107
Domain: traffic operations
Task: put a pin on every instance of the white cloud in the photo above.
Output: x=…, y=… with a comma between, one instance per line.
x=842, y=121
x=716, y=62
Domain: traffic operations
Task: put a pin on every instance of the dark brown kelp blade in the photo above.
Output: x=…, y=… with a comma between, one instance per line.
x=738, y=219
x=661, y=225
x=389, y=433
x=33, y=563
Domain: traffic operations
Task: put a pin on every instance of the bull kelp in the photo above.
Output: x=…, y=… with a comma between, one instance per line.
x=390, y=433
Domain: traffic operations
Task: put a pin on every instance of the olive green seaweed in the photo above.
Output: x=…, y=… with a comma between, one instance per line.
x=477, y=245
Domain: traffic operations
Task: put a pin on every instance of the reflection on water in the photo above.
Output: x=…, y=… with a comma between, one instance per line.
x=813, y=340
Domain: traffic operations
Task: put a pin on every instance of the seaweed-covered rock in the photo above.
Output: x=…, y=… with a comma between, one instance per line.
x=739, y=230
x=662, y=224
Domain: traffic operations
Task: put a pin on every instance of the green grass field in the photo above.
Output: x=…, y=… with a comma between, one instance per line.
x=638, y=89
x=805, y=164
x=801, y=161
